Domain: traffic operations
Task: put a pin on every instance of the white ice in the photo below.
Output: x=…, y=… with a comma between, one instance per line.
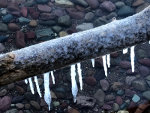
x=108, y=60
x=37, y=86
x=132, y=55
x=149, y=42
x=125, y=50
x=26, y=81
x=104, y=64
x=47, y=94
x=80, y=75
x=31, y=85
x=73, y=81
x=93, y=62
x=53, y=78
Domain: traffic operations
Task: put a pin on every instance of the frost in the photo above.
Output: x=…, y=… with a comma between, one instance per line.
x=47, y=95
x=37, y=85
x=53, y=78
x=104, y=64
x=132, y=55
x=26, y=81
x=93, y=62
x=73, y=81
x=80, y=75
x=31, y=85
x=125, y=50
x=108, y=60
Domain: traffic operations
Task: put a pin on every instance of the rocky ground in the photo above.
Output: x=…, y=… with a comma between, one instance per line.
x=28, y=22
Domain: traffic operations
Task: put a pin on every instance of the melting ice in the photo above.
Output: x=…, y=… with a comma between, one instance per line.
x=93, y=62
x=104, y=64
x=125, y=50
x=47, y=95
x=80, y=75
x=31, y=85
x=26, y=81
x=108, y=60
x=37, y=85
x=53, y=78
x=132, y=55
x=73, y=81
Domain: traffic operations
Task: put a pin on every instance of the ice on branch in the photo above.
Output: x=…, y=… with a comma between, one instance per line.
x=26, y=81
x=104, y=64
x=80, y=75
x=93, y=62
x=37, y=85
x=47, y=94
x=149, y=42
x=53, y=78
x=132, y=56
x=73, y=81
x=108, y=60
x=125, y=50
x=31, y=85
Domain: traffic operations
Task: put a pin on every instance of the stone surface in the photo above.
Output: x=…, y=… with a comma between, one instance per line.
x=145, y=61
x=13, y=27
x=75, y=14
x=5, y=103
x=129, y=80
x=146, y=95
x=3, y=27
x=90, y=81
x=24, y=11
x=33, y=23
x=20, y=39
x=30, y=35
x=64, y=2
x=44, y=8
x=93, y=3
x=3, y=3
x=137, y=3
x=3, y=92
x=7, y=18
x=23, y=20
x=12, y=111
x=84, y=26
x=35, y=105
x=139, y=85
x=89, y=16
x=108, y=6
x=126, y=11
x=2, y=47
x=80, y=2
x=42, y=1
x=3, y=39
x=19, y=105
x=135, y=98
x=104, y=84
x=64, y=20
x=100, y=96
x=125, y=64
x=144, y=71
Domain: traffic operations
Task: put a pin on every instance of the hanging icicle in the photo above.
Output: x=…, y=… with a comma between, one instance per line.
x=132, y=55
x=37, y=86
x=149, y=42
x=125, y=50
x=80, y=75
x=53, y=78
x=26, y=81
x=93, y=62
x=108, y=60
x=104, y=64
x=73, y=81
x=31, y=85
x=47, y=94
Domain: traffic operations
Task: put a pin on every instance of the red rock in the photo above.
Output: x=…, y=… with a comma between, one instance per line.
x=90, y=81
x=93, y=3
x=44, y=8
x=5, y=103
x=119, y=100
x=20, y=40
x=47, y=16
x=145, y=61
x=72, y=110
x=24, y=11
x=3, y=3
x=13, y=27
x=33, y=13
x=108, y=6
x=30, y=35
x=125, y=64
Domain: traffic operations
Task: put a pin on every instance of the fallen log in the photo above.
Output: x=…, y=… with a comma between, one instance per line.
x=61, y=52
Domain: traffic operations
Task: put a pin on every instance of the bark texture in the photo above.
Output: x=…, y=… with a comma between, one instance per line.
x=61, y=52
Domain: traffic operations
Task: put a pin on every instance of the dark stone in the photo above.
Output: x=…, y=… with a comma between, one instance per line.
x=126, y=11
x=42, y=1
x=20, y=39
x=93, y=3
x=47, y=23
x=3, y=39
x=17, y=99
x=7, y=18
x=5, y=103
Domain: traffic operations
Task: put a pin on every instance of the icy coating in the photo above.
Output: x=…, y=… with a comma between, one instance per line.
x=108, y=60
x=47, y=94
x=80, y=75
x=132, y=55
x=31, y=85
x=37, y=86
x=53, y=78
x=104, y=64
x=26, y=81
x=73, y=82
x=125, y=50
x=93, y=62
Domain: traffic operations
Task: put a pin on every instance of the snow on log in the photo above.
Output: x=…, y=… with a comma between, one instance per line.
x=61, y=52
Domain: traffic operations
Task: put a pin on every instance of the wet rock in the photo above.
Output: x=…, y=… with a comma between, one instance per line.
x=12, y=111
x=120, y=92
x=106, y=107
x=137, y=3
x=24, y=11
x=125, y=64
x=119, y=100
x=35, y=105
x=3, y=27
x=17, y=99
x=64, y=20
x=5, y=103
x=126, y=11
x=89, y=16
x=64, y=2
x=145, y=61
x=56, y=29
x=3, y=92
x=7, y=18
x=108, y=6
x=20, y=105
x=44, y=8
x=84, y=26
x=80, y=2
x=90, y=81
x=115, y=107
x=135, y=98
x=23, y=20
x=84, y=101
x=129, y=79
x=139, y=85
x=47, y=16
x=47, y=23
x=144, y=71
x=123, y=106
x=3, y=39
x=33, y=23
x=146, y=95
x=42, y=1
x=3, y=3
x=30, y=35
x=2, y=47
x=13, y=27
x=119, y=4
x=93, y=3
x=99, y=96
x=104, y=84
x=20, y=39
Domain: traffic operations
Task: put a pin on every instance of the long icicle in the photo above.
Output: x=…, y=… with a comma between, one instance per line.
x=26, y=81
x=53, y=78
x=37, y=86
x=31, y=85
x=125, y=50
x=47, y=94
x=73, y=81
x=104, y=64
x=108, y=60
x=80, y=75
x=93, y=62
x=132, y=55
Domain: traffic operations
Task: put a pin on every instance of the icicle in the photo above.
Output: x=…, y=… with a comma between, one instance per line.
x=37, y=85
x=47, y=95
x=73, y=81
x=31, y=85
x=80, y=75
x=125, y=50
x=108, y=60
x=53, y=78
x=93, y=62
x=149, y=42
x=132, y=55
x=26, y=81
x=104, y=64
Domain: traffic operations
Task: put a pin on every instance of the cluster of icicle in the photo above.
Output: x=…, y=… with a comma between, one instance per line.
x=47, y=94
